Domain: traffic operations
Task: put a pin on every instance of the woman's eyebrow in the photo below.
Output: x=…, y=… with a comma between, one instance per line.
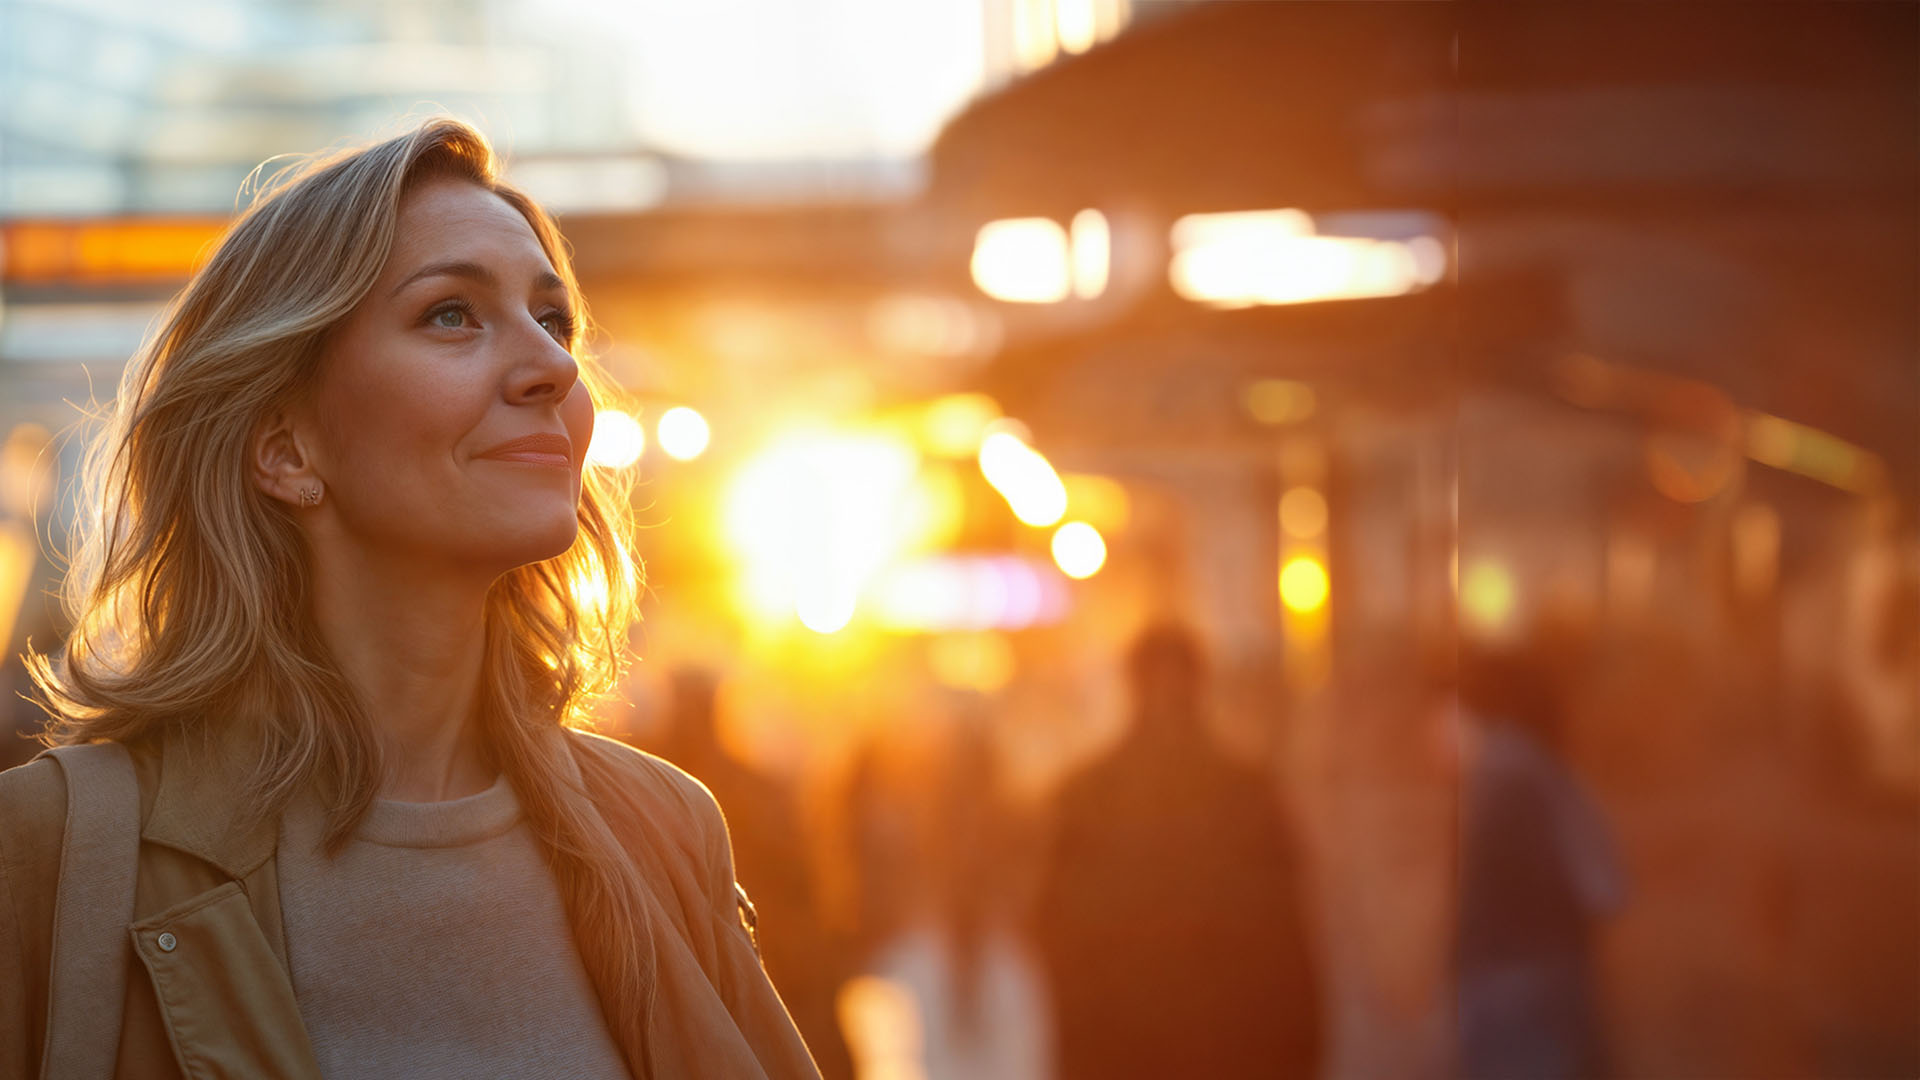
x=472, y=271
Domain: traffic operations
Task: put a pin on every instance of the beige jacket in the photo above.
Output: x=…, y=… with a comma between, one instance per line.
x=216, y=1001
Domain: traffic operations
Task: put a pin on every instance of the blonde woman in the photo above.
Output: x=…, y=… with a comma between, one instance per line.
x=343, y=593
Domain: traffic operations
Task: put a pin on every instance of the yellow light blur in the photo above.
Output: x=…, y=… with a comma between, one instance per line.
x=813, y=518
x=1092, y=247
x=980, y=661
x=1100, y=501
x=618, y=440
x=1488, y=596
x=1078, y=550
x=1273, y=257
x=1076, y=24
x=26, y=471
x=1035, y=41
x=880, y=1019
x=1279, y=401
x=1815, y=454
x=682, y=433
x=1303, y=513
x=1025, y=477
x=824, y=611
x=1022, y=261
x=953, y=426
x=17, y=556
x=935, y=509
x=1303, y=584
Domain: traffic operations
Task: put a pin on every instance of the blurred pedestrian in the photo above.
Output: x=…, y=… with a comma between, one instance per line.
x=770, y=861
x=1539, y=872
x=1171, y=917
x=954, y=944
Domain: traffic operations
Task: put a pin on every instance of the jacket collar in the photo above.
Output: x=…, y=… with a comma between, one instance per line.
x=200, y=805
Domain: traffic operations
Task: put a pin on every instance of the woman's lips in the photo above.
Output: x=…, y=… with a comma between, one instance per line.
x=542, y=449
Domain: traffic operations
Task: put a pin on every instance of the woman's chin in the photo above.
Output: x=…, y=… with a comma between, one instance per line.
x=539, y=546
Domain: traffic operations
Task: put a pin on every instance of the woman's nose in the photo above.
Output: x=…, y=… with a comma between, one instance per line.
x=544, y=368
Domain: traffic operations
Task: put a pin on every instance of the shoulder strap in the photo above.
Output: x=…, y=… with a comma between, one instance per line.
x=98, y=867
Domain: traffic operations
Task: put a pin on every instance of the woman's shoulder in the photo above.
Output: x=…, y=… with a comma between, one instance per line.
x=659, y=785
x=33, y=815
x=33, y=801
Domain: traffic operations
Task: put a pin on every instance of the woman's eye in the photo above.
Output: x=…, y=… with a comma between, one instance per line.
x=559, y=325
x=450, y=318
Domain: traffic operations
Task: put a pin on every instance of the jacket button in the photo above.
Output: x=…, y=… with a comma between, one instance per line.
x=167, y=942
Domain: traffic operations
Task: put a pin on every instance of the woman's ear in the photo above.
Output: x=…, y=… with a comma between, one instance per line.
x=282, y=467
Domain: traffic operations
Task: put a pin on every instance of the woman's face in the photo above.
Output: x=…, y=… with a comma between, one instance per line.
x=449, y=421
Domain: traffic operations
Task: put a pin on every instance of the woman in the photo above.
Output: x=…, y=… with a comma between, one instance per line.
x=344, y=594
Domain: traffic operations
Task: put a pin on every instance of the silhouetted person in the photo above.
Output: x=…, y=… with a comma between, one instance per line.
x=770, y=862
x=1170, y=919
x=1538, y=873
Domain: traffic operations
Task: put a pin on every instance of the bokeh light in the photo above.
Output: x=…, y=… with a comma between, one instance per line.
x=618, y=440
x=1025, y=477
x=1023, y=261
x=1092, y=253
x=1303, y=584
x=814, y=517
x=682, y=433
x=1488, y=597
x=1078, y=550
x=1274, y=257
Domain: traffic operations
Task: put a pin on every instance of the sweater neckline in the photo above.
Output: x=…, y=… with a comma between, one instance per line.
x=449, y=823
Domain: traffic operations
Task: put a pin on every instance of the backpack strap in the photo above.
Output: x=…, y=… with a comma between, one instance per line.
x=98, y=868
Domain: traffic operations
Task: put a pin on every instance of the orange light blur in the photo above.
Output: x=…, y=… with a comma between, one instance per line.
x=104, y=252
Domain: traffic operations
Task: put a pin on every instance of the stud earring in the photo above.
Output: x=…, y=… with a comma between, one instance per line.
x=309, y=496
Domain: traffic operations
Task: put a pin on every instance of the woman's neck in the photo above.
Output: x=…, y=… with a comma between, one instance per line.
x=411, y=644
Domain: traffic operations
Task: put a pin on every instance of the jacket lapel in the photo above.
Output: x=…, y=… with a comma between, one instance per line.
x=217, y=956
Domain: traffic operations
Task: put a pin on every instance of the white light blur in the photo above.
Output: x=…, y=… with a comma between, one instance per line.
x=1023, y=261
x=1076, y=24
x=1024, y=476
x=1078, y=550
x=1092, y=246
x=814, y=517
x=1247, y=258
x=1035, y=37
x=774, y=80
x=940, y=594
x=618, y=440
x=682, y=433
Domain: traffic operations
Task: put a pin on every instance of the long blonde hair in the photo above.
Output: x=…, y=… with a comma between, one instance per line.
x=189, y=589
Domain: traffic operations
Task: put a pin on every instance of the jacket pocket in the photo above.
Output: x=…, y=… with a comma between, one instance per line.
x=227, y=1003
